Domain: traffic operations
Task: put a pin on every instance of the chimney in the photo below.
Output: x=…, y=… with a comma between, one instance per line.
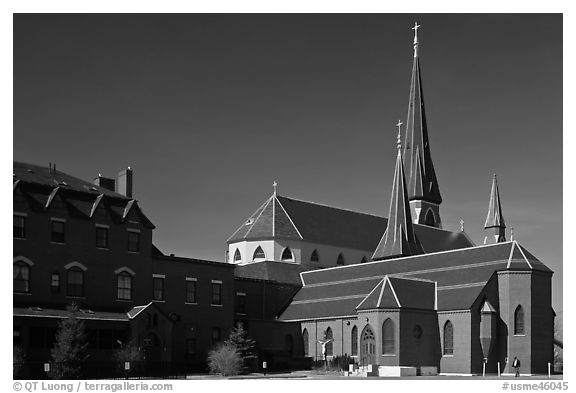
x=104, y=182
x=124, y=185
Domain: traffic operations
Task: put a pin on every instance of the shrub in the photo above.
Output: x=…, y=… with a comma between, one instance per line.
x=245, y=346
x=69, y=352
x=225, y=360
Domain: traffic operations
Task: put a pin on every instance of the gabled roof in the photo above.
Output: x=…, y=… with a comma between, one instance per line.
x=333, y=226
x=399, y=238
x=460, y=276
x=397, y=292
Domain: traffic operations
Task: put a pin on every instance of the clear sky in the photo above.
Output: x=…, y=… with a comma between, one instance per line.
x=209, y=110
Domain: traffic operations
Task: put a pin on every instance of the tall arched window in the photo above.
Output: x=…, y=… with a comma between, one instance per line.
x=354, y=341
x=75, y=282
x=448, y=338
x=21, y=277
x=430, y=220
x=305, y=341
x=287, y=255
x=259, y=254
x=519, y=321
x=329, y=346
x=237, y=256
x=340, y=260
x=363, y=260
x=314, y=257
x=388, y=340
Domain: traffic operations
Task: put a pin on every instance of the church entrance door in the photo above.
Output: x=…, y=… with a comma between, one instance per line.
x=367, y=347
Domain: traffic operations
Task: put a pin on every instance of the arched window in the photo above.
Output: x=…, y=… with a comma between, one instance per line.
x=124, y=285
x=237, y=256
x=448, y=338
x=305, y=340
x=289, y=343
x=340, y=260
x=430, y=220
x=314, y=257
x=519, y=321
x=388, y=341
x=21, y=276
x=329, y=346
x=354, y=341
x=363, y=260
x=287, y=255
x=75, y=282
x=259, y=254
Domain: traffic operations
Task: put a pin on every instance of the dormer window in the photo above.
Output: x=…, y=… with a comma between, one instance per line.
x=249, y=221
x=287, y=255
x=259, y=255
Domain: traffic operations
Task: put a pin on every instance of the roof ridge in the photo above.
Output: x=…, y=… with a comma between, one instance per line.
x=358, y=212
x=410, y=256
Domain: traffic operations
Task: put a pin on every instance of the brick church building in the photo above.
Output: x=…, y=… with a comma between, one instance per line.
x=397, y=292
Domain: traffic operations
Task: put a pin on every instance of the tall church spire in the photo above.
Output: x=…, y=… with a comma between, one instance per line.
x=399, y=238
x=423, y=190
x=495, y=224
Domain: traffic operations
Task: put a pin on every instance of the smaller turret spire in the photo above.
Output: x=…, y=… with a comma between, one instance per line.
x=495, y=219
x=399, y=239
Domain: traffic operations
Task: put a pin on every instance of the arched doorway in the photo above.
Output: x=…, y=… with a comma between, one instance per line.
x=368, y=346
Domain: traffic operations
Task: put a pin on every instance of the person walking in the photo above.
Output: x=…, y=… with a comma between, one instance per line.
x=516, y=365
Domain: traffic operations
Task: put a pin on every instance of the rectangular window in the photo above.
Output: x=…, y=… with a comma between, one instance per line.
x=124, y=284
x=216, y=293
x=57, y=233
x=101, y=237
x=75, y=284
x=158, y=288
x=19, y=226
x=240, y=303
x=133, y=241
x=55, y=283
x=190, y=290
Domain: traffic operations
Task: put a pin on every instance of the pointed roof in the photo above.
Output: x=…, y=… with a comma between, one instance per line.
x=494, y=217
x=269, y=220
x=399, y=238
x=397, y=292
x=422, y=182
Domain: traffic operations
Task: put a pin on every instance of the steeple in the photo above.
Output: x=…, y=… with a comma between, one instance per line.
x=399, y=238
x=423, y=190
x=495, y=224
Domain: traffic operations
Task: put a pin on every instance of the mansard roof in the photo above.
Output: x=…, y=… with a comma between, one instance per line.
x=300, y=220
x=460, y=276
x=40, y=187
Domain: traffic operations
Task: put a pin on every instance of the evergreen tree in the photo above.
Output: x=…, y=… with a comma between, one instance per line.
x=69, y=352
x=244, y=344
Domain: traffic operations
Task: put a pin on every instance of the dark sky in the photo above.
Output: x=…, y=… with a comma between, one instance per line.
x=209, y=110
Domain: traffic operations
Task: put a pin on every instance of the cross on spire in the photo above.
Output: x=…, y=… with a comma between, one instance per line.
x=415, y=43
x=275, y=185
x=461, y=225
x=399, y=142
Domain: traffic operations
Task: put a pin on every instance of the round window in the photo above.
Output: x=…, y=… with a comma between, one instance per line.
x=417, y=331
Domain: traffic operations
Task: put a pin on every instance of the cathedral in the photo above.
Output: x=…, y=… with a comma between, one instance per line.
x=401, y=295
